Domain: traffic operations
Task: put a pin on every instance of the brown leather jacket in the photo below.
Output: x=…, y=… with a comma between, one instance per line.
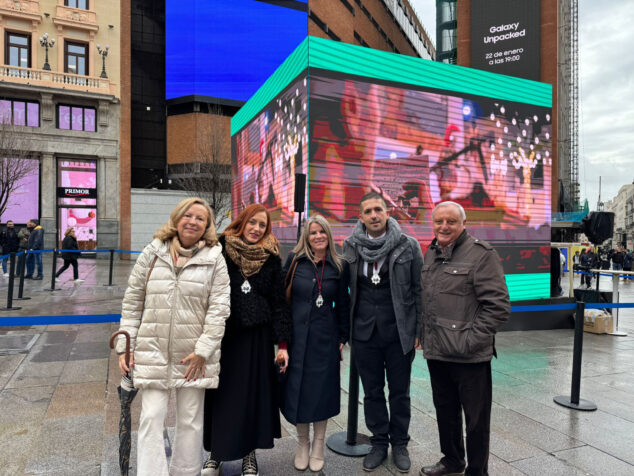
x=465, y=301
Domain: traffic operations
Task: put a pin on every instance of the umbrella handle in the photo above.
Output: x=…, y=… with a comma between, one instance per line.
x=127, y=345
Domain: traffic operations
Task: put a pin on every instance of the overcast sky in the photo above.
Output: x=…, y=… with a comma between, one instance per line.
x=606, y=77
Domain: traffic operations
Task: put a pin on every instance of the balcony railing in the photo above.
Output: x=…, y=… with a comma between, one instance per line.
x=21, y=6
x=55, y=79
x=77, y=17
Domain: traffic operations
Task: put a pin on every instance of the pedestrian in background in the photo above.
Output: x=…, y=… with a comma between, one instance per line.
x=317, y=278
x=35, y=243
x=385, y=298
x=175, y=309
x=10, y=244
x=617, y=258
x=23, y=236
x=242, y=414
x=70, y=259
x=627, y=261
x=589, y=260
x=465, y=301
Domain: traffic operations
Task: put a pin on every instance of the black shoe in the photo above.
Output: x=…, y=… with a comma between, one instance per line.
x=37, y=278
x=211, y=467
x=440, y=469
x=28, y=276
x=400, y=455
x=374, y=458
x=250, y=465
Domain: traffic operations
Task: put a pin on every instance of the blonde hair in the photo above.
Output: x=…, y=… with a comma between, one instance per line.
x=169, y=230
x=69, y=230
x=303, y=245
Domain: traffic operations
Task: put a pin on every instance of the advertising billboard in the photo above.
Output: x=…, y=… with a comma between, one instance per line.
x=203, y=36
x=77, y=200
x=505, y=37
x=267, y=154
x=24, y=202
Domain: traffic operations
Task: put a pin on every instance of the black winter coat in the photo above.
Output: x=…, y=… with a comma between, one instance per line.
x=70, y=243
x=265, y=304
x=312, y=391
x=10, y=241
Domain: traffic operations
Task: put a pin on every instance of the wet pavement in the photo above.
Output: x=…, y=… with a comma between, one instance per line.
x=60, y=406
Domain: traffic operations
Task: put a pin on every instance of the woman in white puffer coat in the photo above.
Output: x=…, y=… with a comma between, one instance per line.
x=174, y=309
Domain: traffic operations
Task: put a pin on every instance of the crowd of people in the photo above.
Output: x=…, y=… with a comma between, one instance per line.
x=240, y=337
x=30, y=239
x=588, y=259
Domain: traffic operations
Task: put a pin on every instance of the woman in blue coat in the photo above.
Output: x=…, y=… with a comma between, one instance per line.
x=318, y=279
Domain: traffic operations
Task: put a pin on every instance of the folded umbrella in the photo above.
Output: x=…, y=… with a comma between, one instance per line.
x=127, y=392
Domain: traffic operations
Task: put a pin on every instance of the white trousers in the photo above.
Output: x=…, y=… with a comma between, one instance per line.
x=187, y=446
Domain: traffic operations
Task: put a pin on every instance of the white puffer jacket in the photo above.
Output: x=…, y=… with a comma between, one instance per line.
x=175, y=316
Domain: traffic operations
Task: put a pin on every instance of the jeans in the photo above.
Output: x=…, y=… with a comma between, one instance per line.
x=4, y=264
x=33, y=259
x=188, y=440
x=617, y=266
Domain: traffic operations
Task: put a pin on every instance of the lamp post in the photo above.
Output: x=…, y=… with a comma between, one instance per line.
x=103, y=54
x=44, y=41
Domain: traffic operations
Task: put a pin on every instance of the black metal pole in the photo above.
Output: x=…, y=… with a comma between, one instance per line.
x=573, y=401
x=9, y=306
x=22, y=271
x=350, y=442
x=54, y=270
x=111, y=267
x=299, y=226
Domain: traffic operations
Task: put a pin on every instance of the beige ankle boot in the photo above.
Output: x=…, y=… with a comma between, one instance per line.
x=317, y=454
x=301, y=456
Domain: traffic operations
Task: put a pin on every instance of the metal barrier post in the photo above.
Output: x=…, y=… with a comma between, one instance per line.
x=573, y=401
x=54, y=270
x=10, y=306
x=111, y=268
x=351, y=443
x=22, y=271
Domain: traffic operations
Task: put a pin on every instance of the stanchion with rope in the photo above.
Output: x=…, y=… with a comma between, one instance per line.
x=574, y=401
x=22, y=271
x=110, y=272
x=350, y=442
x=53, y=271
x=10, y=306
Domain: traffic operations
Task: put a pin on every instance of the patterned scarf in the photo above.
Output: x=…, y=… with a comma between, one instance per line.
x=182, y=255
x=250, y=258
x=372, y=250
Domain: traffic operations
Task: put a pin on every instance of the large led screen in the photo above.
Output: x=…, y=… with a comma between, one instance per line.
x=268, y=152
x=23, y=203
x=227, y=49
x=419, y=147
x=79, y=213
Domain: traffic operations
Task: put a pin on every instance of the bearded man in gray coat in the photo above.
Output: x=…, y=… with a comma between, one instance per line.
x=465, y=301
x=385, y=298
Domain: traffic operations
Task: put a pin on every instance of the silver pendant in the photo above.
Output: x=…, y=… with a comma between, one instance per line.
x=319, y=301
x=376, y=279
x=246, y=286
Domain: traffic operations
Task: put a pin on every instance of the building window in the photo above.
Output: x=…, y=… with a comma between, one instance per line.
x=19, y=112
x=83, y=4
x=17, y=51
x=76, y=118
x=76, y=58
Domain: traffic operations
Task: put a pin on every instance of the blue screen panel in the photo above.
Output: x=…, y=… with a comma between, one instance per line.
x=228, y=49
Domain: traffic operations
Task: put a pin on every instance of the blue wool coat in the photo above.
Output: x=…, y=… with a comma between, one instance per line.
x=312, y=390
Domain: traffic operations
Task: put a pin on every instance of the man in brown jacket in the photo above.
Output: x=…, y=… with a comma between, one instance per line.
x=465, y=300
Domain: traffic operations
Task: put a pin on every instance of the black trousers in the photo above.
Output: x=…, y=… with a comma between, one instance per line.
x=463, y=387
x=67, y=263
x=375, y=359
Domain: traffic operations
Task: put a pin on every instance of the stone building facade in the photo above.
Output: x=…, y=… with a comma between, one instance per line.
x=69, y=89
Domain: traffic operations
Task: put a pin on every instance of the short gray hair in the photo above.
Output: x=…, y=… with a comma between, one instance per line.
x=463, y=215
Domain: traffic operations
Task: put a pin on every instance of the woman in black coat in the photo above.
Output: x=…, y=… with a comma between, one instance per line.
x=69, y=243
x=320, y=309
x=242, y=414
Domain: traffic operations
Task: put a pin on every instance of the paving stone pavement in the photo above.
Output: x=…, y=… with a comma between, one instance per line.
x=60, y=408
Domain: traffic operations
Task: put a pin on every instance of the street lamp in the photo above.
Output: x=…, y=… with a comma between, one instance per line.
x=44, y=41
x=103, y=54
